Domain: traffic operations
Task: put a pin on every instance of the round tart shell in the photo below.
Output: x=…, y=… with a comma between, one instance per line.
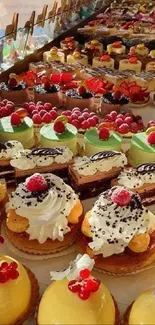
x=22, y=242
x=124, y=263
x=34, y=298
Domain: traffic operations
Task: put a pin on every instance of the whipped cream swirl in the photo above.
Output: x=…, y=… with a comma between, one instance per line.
x=9, y=148
x=136, y=177
x=28, y=159
x=113, y=226
x=101, y=162
x=46, y=211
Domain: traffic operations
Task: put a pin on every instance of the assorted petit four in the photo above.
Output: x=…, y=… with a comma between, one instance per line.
x=96, y=44
x=142, y=149
x=112, y=101
x=103, y=61
x=54, y=55
x=14, y=90
x=139, y=49
x=48, y=92
x=116, y=48
x=77, y=57
x=130, y=64
x=80, y=97
x=119, y=232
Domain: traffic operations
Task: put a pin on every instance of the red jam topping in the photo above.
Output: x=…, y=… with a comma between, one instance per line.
x=8, y=271
x=117, y=44
x=132, y=60
x=105, y=58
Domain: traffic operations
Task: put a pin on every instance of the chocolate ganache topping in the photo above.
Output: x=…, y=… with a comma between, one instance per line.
x=109, y=98
x=145, y=168
x=104, y=155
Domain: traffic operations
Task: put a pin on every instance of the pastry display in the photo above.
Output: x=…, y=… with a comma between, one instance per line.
x=14, y=127
x=76, y=287
x=40, y=66
x=119, y=232
x=59, y=134
x=68, y=42
x=112, y=101
x=55, y=160
x=77, y=57
x=14, y=279
x=141, y=311
x=142, y=149
x=141, y=180
x=89, y=176
x=103, y=61
x=54, y=55
x=139, y=49
x=48, y=92
x=47, y=199
x=116, y=48
x=80, y=97
x=101, y=140
x=139, y=96
x=14, y=90
x=130, y=64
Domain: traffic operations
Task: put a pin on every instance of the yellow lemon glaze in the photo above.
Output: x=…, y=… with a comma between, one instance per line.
x=86, y=230
x=75, y=213
x=143, y=309
x=60, y=306
x=14, y=295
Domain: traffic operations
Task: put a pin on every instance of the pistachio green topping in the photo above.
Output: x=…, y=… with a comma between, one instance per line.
x=92, y=137
x=6, y=126
x=48, y=132
x=139, y=141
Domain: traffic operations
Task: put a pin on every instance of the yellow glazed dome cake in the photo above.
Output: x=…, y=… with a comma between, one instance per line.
x=19, y=291
x=81, y=298
x=130, y=64
x=54, y=55
x=43, y=215
x=142, y=310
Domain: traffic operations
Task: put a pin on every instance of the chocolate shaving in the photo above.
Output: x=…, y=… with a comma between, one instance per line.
x=135, y=202
x=104, y=155
x=47, y=152
x=145, y=168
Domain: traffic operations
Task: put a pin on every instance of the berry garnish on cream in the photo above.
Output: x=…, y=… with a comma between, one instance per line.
x=8, y=271
x=151, y=138
x=36, y=183
x=104, y=134
x=60, y=124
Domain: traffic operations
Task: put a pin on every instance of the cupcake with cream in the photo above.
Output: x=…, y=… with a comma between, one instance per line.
x=43, y=215
x=79, y=295
x=119, y=232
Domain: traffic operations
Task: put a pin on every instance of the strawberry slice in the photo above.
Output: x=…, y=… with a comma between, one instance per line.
x=108, y=86
x=143, y=89
x=135, y=89
x=125, y=92
x=124, y=85
x=69, y=85
x=94, y=84
x=133, y=83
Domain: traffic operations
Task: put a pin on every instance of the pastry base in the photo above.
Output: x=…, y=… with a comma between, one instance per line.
x=140, y=104
x=119, y=264
x=22, y=242
x=34, y=298
x=90, y=186
x=18, y=97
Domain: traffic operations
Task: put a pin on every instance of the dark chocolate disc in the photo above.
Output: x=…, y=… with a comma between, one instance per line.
x=104, y=155
x=2, y=146
x=47, y=152
x=146, y=168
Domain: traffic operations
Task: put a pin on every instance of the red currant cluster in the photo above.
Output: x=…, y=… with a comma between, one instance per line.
x=85, y=285
x=8, y=271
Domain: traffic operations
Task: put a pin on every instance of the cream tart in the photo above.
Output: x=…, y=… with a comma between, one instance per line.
x=15, y=308
x=43, y=215
x=54, y=54
x=89, y=176
x=142, y=310
x=91, y=301
x=140, y=180
x=119, y=232
x=14, y=90
x=130, y=64
x=45, y=160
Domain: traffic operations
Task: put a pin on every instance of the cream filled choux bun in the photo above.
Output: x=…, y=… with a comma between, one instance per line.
x=119, y=232
x=19, y=291
x=77, y=297
x=43, y=215
x=142, y=310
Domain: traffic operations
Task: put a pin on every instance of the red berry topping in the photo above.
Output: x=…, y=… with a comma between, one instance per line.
x=74, y=116
x=4, y=277
x=104, y=134
x=76, y=123
x=128, y=120
x=133, y=59
x=74, y=286
x=36, y=183
x=31, y=108
x=105, y=58
x=124, y=128
x=133, y=127
x=36, y=118
x=66, y=113
x=151, y=123
x=14, y=274
x=42, y=112
x=48, y=106
x=120, y=116
x=85, y=115
x=92, y=121
x=53, y=114
x=47, y=118
x=121, y=196
x=84, y=273
x=117, y=94
x=47, y=84
x=81, y=90
x=85, y=125
x=119, y=121
x=81, y=119
x=1, y=240
x=40, y=107
x=117, y=44
x=8, y=271
x=59, y=127
x=15, y=119
x=151, y=138
x=113, y=115
x=4, y=111
x=91, y=285
x=96, y=118
x=12, y=82
x=83, y=294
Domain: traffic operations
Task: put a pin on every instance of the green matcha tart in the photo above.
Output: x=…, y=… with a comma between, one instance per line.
x=51, y=139
x=94, y=144
x=140, y=150
x=23, y=133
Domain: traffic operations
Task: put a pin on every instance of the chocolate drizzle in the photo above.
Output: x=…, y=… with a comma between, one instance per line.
x=2, y=146
x=104, y=155
x=47, y=152
x=146, y=168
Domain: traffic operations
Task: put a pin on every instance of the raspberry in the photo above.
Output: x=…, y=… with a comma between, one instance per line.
x=12, y=82
x=34, y=112
x=31, y=108
x=133, y=127
x=15, y=119
x=77, y=112
x=92, y=121
x=84, y=273
x=85, y=125
x=76, y=123
x=36, y=183
x=59, y=127
x=73, y=286
x=117, y=95
x=66, y=113
x=4, y=101
x=108, y=117
x=39, y=103
x=31, y=103
x=124, y=128
x=74, y=116
x=120, y=116
x=121, y=196
x=140, y=125
x=10, y=106
x=81, y=119
x=83, y=294
x=119, y=122
x=47, y=118
x=4, y=111
x=85, y=115
x=85, y=110
x=55, y=78
x=151, y=138
x=36, y=118
x=42, y=112
x=40, y=107
x=53, y=114
x=48, y=106
x=104, y=134
x=151, y=123
x=81, y=90
x=96, y=118
x=128, y=120
x=47, y=84
x=113, y=115
x=76, y=109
